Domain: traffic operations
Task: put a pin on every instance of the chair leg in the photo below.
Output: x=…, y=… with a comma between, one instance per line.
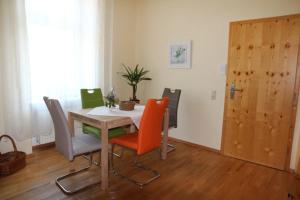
x=171, y=147
x=67, y=191
x=93, y=161
x=155, y=173
x=119, y=155
x=98, y=164
x=111, y=158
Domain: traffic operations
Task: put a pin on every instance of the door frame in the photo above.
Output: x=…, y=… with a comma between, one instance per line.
x=295, y=91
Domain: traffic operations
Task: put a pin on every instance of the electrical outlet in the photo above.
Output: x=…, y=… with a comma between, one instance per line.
x=213, y=95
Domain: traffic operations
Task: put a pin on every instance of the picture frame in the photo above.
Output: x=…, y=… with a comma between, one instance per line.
x=180, y=55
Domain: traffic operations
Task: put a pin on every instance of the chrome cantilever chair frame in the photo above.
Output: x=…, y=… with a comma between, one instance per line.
x=67, y=191
x=137, y=164
x=70, y=146
x=97, y=163
x=172, y=147
x=93, y=162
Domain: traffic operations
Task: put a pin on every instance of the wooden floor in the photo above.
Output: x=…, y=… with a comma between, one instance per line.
x=188, y=173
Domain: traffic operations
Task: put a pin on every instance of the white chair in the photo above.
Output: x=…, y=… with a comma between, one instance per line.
x=68, y=145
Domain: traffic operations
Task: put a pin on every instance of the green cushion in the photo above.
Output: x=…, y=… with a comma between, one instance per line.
x=115, y=132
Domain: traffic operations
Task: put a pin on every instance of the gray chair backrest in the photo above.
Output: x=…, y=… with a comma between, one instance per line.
x=63, y=139
x=174, y=96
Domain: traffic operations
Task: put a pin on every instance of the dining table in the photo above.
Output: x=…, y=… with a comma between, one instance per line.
x=104, y=123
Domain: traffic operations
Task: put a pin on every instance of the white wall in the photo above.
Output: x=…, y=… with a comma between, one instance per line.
x=24, y=146
x=123, y=44
x=206, y=23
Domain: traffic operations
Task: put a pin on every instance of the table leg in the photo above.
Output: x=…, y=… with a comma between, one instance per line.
x=165, y=135
x=104, y=157
x=132, y=128
x=71, y=124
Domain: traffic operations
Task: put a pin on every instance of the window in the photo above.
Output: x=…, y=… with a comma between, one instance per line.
x=63, y=47
x=63, y=52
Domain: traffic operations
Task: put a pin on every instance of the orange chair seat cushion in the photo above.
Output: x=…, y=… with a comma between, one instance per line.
x=128, y=140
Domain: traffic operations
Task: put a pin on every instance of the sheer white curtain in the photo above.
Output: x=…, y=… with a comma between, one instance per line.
x=63, y=41
x=65, y=53
x=14, y=71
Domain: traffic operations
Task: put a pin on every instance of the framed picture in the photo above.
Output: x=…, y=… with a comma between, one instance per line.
x=180, y=55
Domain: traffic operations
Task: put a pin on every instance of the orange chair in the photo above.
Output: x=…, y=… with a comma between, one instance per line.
x=147, y=139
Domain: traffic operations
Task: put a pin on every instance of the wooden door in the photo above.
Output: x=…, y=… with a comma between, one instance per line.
x=262, y=72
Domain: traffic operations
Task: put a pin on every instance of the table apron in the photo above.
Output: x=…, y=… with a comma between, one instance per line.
x=100, y=124
x=119, y=123
x=97, y=124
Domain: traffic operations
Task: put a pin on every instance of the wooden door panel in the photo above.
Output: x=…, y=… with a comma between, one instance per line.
x=240, y=140
x=271, y=140
x=262, y=63
x=241, y=109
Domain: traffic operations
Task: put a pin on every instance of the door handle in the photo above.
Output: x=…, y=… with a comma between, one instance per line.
x=233, y=90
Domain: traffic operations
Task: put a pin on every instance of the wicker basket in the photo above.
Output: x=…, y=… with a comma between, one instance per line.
x=126, y=105
x=13, y=161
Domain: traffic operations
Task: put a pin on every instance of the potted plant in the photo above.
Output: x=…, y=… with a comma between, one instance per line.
x=133, y=77
x=110, y=99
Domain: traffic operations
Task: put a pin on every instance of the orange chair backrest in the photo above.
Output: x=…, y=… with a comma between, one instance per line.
x=149, y=136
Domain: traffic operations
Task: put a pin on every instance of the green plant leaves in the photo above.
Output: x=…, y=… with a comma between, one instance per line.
x=134, y=75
